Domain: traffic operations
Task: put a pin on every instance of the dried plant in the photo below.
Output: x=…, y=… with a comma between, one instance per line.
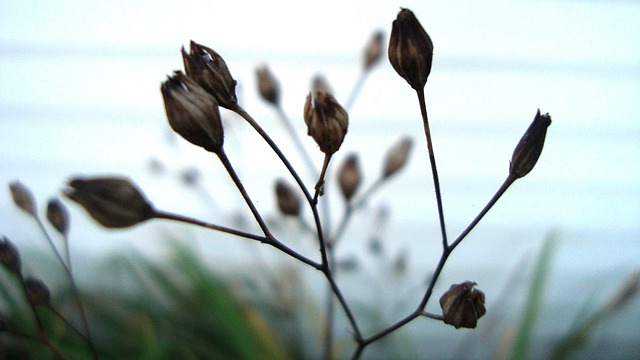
x=192, y=100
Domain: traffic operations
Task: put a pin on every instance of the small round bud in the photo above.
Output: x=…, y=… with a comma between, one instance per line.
x=527, y=152
x=111, y=201
x=58, y=216
x=37, y=292
x=9, y=256
x=373, y=51
x=326, y=120
x=349, y=176
x=209, y=70
x=462, y=305
x=23, y=198
x=410, y=49
x=268, y=85
x=288, y=202
x=397, y=157
x=192, y=112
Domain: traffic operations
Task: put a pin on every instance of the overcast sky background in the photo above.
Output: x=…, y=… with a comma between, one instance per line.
x=79, y=94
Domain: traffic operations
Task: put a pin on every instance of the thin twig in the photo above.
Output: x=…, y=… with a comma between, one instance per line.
x=434, y=170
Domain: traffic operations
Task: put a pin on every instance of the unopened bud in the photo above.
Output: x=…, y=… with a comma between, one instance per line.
x=528, y=150
x=209, y=70
x=397, y=156
x=410, y=49
x=37, y=292
x=326, y=120
x=23, y=198
x=9, y=256
x=349, y=176
x=268, y=85
x=112, y=201
x=58, y=216
x=192, y=112
x=320, y=84
x=288, y=202
x=373, y=51
x=462, y=305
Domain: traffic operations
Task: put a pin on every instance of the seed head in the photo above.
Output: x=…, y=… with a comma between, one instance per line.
x=288, y=202
x=113, y=202
x=209, y=70
x=373, y=51
x=268, y=86
x=37, y=292
x=410, y=49
x=397, y=156
x=23, y=198
x=462, y=305
x=326, y=120
x=528, y=150
x=58, y=216
x=349, y=176
x=192, y=112
x=9, y=256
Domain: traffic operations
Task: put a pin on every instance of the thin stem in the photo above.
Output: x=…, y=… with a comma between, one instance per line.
x=320, y=183
x=432, y=159
x=356, y=89
x=74, y=288
x=505, y=185
x=316, y=217
x=297, y=141
x=184, y=219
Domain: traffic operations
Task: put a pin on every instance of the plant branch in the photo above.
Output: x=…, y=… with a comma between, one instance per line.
x=434, y=170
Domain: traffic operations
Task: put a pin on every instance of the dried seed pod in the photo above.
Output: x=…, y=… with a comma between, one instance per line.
x=10, y=256
x=528, y=150
x=192, y=112
x=209, y=70
x=373, y=51
x=326, y=120
x=23, y=198
x=397, y=156
x=349, y=176
x=58, y=216
x=288, y=202
x=113, y=202
x=462, y=305
x=410, y=49
x=268, y=86
x=37, y=292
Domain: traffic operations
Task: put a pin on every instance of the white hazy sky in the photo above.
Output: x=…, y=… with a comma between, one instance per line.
x=79, y=93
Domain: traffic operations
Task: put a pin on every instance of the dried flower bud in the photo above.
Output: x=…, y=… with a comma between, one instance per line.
x=23, y=198
x=113, y=202
x=349, y=176
x=9, y=256
x=462, y=305
x=397, y=156
x=209, y=70
x=268, y=86
x=410, y=49
x=288, y=202
x=373, y=51
x=326, y=120
x=58, y=216
x=192, y=112
x=528, y=150
x=37, y=292
x=320, y=84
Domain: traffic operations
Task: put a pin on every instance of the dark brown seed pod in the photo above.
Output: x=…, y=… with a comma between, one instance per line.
x=462, y=305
